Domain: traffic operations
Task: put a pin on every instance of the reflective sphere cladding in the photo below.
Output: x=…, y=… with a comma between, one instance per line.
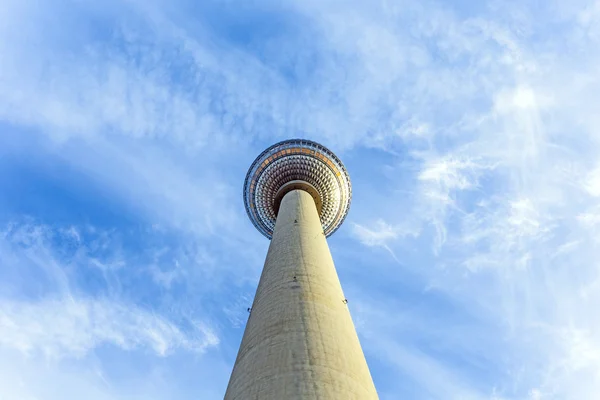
x=297, y=160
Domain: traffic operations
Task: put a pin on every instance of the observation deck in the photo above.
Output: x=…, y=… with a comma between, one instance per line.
x=291, y=165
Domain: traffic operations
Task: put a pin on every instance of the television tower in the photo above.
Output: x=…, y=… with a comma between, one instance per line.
x=299, y=342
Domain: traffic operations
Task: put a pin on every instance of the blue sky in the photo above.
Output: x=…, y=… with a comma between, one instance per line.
x=471, y=131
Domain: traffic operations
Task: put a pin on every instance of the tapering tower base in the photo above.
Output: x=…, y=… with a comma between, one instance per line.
x=300, y=342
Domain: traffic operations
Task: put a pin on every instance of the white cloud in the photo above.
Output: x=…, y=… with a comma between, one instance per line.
x=592, y=184
x=124, y=87
x=73, y=327
x=61, y=321
x=65, y=320
x=102, y=377
x=448, y=173
x=442, y=179
x=512, y=191
x=379, y=235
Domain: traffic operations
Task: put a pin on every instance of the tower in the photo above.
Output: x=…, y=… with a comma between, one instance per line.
x=300, y=342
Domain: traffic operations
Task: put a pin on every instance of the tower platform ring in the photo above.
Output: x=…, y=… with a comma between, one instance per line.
x=297, y=164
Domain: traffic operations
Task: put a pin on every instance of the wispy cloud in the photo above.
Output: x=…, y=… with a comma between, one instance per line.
x=380, y=234
x=73, y=327
x=58, y=320
x=511, y=189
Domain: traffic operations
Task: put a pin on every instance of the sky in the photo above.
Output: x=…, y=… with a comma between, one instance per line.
x=470, y=130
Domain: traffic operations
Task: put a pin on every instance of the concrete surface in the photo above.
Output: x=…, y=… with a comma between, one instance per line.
x=300, y=342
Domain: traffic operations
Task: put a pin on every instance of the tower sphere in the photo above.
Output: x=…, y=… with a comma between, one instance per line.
x=297, y=164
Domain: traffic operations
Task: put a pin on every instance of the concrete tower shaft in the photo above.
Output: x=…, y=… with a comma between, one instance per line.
x=300, y=342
